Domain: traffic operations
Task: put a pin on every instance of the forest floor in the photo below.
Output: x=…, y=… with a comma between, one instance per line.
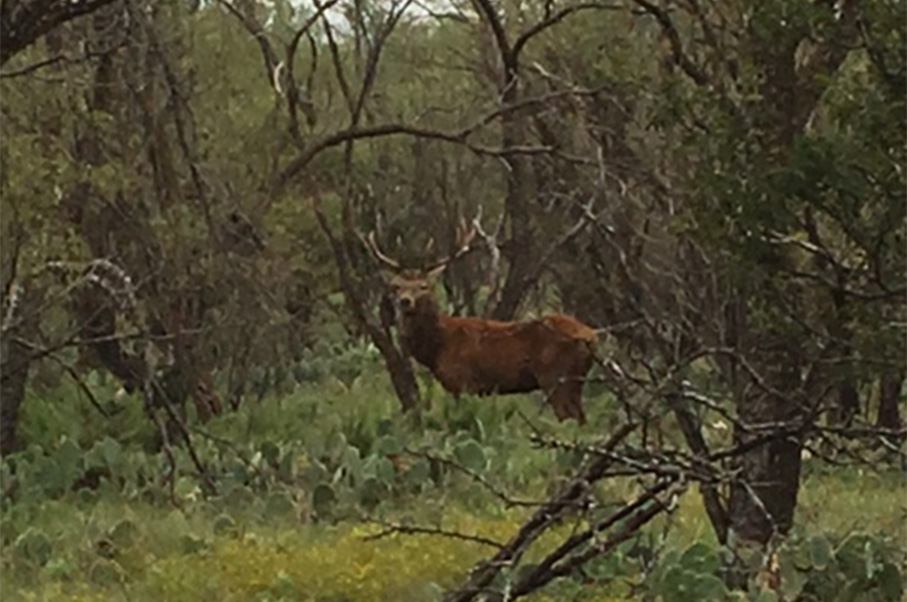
x=308, y=481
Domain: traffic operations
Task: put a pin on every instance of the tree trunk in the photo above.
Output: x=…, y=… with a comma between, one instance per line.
x=764, y=495
x=14, y=369
x=404, y=381
x=15, y=362
x=889, y=400
x=401, y=371
x=763, y=500
x=691, y=428
x=767, y=391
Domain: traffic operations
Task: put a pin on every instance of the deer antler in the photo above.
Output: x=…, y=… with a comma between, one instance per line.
x=373, y=247
x=465, y=234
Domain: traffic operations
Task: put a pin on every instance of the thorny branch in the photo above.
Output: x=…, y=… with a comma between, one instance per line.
x=395, y=528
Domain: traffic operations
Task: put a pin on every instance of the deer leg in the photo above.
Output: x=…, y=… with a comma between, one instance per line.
x=561, y=409
x=573, y=396
x=565, y=398
x=576, y=403
x=564, y=381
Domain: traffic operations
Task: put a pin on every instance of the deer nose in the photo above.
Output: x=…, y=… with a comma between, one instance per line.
x=406, y=303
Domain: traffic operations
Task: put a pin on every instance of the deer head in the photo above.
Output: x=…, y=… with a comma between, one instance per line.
x=412, y=288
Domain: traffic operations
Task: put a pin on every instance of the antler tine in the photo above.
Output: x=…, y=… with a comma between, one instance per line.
x=376, y=251
x=465, y=234
x=467, y=231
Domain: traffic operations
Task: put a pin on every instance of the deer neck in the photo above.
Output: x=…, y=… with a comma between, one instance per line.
x=423, y=333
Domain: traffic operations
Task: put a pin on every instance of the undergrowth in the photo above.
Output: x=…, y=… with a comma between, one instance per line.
x=305, y=480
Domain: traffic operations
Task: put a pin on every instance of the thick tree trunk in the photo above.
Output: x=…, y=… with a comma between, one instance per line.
x=521, y=255
x=764, y=495
x=889, y=400
x=848, y=403
x=764, y=498
x=768, y=394
x=404, y=381
x=516, y=203
x=690, y=426
x=14, y=369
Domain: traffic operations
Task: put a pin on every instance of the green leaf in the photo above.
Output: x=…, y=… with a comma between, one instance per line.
x=766, y=595
x=270, y=452
x=52, y=476
x=279, y=503
x=106, y=572
x=674, y=586
x=124, y=534
x=419, y=472
x=891, y=582
x=34, y=545
x=315, y=472
x=323, y=499
x=384, y=470
x=433, y=592
x=337, y=444
x=224, y=525
x=700, y=558
x=239, y=497
x=286, y=468
x=69, y=457
x=471, y=455
x=8, y=530
x=174, y=523
x=851, y=592
x=792, y=579
x=88, y=496
x=191, y=544
x=854, y=557
x=388, y=444
x=709, y=587
x=819, y=552
x=112, y=452
x=371, y=492
x=186, y=486
x=59, y=568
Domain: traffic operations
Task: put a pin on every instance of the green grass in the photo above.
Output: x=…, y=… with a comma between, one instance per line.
x=176, y=555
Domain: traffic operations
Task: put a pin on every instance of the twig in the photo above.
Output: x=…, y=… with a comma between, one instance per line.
x=60, y=58
x=394, y=528
x=493, y=489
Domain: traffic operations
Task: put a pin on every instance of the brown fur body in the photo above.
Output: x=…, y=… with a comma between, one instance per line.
x=485, y=357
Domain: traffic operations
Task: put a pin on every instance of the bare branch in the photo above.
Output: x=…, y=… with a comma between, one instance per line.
x=395, y=528
x=61, y=58
x=357, y=133
x=553, y=19
x=293, y=99
x=261, y=37
x=22, y=23
x=680, y=56
x=567, y=557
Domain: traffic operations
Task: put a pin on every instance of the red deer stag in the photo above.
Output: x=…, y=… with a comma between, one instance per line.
x=485, y=357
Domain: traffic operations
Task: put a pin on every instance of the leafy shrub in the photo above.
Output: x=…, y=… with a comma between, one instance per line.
x=861, y=567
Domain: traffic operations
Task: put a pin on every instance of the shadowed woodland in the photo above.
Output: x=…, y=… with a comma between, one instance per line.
x=221, y=219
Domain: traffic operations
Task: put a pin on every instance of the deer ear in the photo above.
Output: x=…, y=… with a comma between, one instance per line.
x=432, y=275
